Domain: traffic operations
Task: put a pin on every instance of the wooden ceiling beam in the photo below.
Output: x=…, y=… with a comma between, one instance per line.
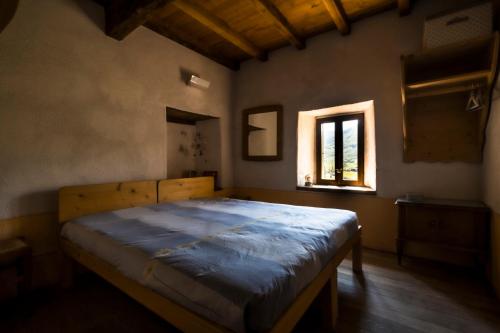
x=266, y=7
x=404, y=7
x=219, y=27
x=336, y=11
x=164, y=30
x=124, y=16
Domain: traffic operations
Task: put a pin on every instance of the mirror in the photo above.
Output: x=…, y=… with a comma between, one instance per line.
x=262, y=127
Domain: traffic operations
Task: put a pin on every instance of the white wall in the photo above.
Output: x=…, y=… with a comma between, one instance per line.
x=211, y=142
x=491, y=183
x=180, y=155
x=491, y=170
x=77, y=107
x=336, y=70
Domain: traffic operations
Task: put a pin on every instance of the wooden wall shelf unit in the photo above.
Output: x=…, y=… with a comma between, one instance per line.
x=450, y=225
x=436, y=85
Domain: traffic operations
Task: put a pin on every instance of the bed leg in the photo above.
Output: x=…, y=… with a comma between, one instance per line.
x=357, y=257
x=328, y=303
x=67, y=272
x=334, y=308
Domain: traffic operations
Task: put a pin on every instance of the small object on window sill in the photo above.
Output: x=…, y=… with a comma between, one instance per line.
x=308, y=181
x=340, y=189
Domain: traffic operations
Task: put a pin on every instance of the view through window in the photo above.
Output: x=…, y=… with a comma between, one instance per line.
x=340, y=152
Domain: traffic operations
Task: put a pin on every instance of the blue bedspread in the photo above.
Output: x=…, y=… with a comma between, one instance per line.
x=244, y=262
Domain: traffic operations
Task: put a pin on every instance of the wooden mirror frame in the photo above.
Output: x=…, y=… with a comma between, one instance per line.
x=279, y=132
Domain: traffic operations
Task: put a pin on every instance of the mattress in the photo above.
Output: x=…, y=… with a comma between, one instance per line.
x=237, y=263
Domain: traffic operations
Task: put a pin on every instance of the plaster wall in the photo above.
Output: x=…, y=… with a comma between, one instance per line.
x=491, y=163
x=77, y=107
x=180, y=155
x=491, y=182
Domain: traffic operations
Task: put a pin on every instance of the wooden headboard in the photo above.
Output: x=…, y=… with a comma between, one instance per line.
x=76, y=201
x=185, y=188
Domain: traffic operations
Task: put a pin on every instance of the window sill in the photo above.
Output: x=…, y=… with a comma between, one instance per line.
x=338, y=189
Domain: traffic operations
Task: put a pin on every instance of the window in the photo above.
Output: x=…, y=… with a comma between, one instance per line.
x=340, y=150
x=361, y=178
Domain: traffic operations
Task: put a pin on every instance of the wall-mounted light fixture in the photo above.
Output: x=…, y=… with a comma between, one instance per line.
x=197, y=81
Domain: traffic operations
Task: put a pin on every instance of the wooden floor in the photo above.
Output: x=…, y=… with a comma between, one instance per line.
x=418, y=297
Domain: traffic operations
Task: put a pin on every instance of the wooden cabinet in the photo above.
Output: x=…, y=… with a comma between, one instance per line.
x=451, y=225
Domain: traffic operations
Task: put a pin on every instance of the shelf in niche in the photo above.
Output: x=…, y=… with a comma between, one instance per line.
x=255, y=128
x=184, y=117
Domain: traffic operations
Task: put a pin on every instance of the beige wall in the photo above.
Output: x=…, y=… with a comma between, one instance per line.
x=210, y=134
x=180, y=155
x=336, y=70
x=77, y=107
x=491, y=181
x=491, y=169
x=207, y=157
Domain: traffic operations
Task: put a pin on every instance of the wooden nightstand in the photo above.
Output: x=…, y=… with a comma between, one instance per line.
x=451, y=225
x=15, y=252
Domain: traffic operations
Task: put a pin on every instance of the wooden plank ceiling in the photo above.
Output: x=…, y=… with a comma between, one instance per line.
x=232, y=31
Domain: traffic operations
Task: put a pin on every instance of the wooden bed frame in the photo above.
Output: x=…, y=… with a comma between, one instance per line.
x=78, y=201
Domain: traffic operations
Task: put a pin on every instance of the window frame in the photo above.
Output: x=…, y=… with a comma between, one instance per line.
x=340, y=152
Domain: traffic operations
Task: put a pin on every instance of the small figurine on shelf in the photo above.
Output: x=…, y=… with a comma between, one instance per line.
x=308, y=180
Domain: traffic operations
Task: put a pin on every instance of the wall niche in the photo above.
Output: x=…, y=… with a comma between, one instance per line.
x=193, y=145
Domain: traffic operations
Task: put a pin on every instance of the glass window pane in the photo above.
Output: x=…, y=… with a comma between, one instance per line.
x=350, y=149
x=328, y=151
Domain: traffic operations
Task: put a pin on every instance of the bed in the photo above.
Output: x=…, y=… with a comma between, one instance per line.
x=209, y=264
